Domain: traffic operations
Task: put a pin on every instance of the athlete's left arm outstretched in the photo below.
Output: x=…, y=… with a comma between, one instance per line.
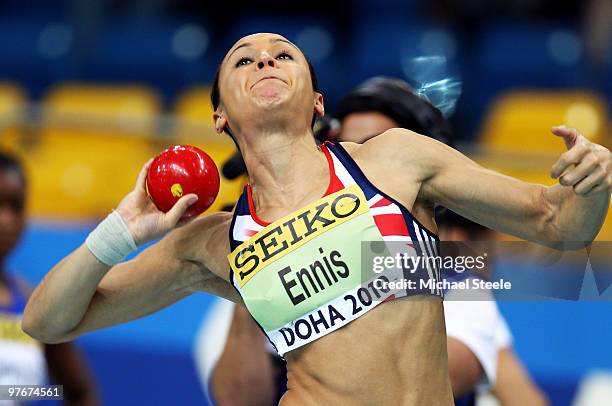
x=560, y=216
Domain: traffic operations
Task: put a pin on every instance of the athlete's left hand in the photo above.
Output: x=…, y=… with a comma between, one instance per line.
x=586, y=166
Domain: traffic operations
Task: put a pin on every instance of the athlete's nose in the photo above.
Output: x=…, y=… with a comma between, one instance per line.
x=266, y=60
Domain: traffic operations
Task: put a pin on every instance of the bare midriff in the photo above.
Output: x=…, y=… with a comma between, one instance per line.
x=393, y=355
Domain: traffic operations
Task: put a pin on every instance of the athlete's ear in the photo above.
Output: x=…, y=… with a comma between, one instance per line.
x=220, y=120
x=319, y=107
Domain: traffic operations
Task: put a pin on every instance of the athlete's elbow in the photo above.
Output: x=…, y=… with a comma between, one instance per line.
x=43, y=336
x=32, y=328
x=36, y=328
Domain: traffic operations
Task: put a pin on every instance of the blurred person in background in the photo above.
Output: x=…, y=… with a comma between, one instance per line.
x=24, y=361
x=479, y=341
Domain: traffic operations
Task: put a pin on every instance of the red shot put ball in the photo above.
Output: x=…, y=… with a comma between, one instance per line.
x=179, y=171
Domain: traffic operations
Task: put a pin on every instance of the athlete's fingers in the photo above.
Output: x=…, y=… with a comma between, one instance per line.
x=180, y=207
x=569, y=135
x=593, y=180
x=142, y=176
x=600, y=188
x=568, y=158
x=574, y=175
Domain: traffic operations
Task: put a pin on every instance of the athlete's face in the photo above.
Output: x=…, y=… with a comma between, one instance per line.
x=264, y=75
x=360, y=127
x=12, y=201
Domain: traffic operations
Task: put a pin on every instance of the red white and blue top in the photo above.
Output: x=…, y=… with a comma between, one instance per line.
x=325, y=265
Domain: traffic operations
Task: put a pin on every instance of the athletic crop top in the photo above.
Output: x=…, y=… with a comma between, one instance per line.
x=328, y=263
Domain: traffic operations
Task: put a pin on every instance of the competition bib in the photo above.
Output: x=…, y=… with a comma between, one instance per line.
x=301, y=277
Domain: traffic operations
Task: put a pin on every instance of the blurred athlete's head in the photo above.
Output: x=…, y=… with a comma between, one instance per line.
x=381, y=103
x=12, y=204
x=265, y=84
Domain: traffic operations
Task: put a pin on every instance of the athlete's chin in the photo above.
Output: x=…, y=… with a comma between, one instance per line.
x=271, y=101
x=270, y=92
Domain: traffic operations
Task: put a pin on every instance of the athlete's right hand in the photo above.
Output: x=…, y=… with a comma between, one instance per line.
x=143, y=219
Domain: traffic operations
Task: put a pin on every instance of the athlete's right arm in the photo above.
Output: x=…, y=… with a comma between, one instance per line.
x=81, y=293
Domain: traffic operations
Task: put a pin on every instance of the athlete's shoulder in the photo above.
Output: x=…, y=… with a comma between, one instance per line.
x=391, y=144
x=402, y=152
x=394, y=137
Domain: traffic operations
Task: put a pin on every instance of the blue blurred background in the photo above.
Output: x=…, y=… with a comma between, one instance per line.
x=90, y=89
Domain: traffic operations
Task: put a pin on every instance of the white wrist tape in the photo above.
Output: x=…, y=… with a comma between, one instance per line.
x=111, y=241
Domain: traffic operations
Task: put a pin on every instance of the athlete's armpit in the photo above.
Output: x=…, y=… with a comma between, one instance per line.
x=204, y=244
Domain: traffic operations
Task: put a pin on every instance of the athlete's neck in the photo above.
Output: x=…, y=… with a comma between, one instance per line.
x=284, y=168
